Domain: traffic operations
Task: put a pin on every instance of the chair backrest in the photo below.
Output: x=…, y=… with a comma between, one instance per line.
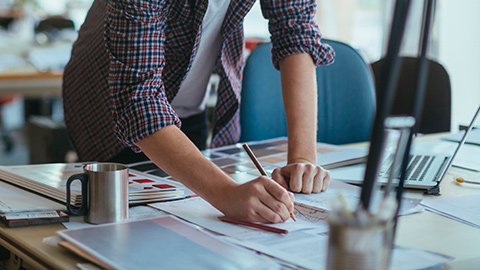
x=54, y=23
x=346, y=98
x=436, y=115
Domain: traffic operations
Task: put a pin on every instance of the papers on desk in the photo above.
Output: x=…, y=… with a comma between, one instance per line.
x=308, y=249
x=325, y=199
x=472, y=138
x=52, y=58
x=465, y=209
x=305, y=244
x=161, y=243
x=50, y=180
x=200, y=212
x=468, y=158
x=15, y=200
x=134, y=213
x=19, y=207
x=351, y=195
x=11, y=62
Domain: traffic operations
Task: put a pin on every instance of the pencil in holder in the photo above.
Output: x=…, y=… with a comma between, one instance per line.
x=360, y=239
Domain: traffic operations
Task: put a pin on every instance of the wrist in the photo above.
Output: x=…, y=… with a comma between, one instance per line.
x=302, y=160
x=219, y=193
x=302, y=148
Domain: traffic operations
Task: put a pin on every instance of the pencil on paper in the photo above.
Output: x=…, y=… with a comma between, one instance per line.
x=260, y=168
x=253, y=225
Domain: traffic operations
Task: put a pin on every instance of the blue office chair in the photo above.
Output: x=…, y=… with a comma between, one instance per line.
x=346, y=98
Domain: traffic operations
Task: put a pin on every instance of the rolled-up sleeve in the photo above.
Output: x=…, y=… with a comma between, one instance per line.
x=293, y=30
x=135, y=40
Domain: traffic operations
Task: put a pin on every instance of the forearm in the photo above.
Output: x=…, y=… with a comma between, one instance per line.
x=170, y=149
x=299, y=89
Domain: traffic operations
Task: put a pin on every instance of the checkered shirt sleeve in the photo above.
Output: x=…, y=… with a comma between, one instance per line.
x=293, y=30
x=134, y=33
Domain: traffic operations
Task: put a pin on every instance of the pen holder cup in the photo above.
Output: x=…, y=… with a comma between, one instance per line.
x=359, y=246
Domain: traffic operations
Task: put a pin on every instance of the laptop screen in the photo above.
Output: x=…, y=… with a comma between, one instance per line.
x=466, y=156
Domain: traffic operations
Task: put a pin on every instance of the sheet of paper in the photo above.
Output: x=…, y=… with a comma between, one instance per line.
x=351, y=195
x=325, y=199
x=134, y=213
x=13, y=199
x=308, y=249
x=302, y=248
x=464, y=208
x=200, y=212
x=468, y=157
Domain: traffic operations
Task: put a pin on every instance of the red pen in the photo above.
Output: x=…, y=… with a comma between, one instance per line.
x=253, y=225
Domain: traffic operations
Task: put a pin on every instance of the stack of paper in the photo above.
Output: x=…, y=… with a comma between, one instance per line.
x=20, y=208
x=50, y=180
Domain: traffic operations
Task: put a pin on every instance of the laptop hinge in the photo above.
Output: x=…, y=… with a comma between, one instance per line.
x=435, y=190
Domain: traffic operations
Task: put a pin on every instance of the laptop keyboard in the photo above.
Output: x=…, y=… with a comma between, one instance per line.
x=417, y=168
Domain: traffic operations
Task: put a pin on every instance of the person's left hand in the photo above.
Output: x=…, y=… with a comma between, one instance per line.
x=302, y=177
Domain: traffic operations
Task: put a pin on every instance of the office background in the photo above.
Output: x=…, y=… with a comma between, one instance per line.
x=360, y=23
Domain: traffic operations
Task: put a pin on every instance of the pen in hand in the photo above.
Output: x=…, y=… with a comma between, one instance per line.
x=260, y=167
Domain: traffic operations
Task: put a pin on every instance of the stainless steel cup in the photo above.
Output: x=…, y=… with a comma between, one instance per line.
x=104, y=193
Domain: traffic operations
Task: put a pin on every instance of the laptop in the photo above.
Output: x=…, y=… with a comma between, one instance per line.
x=424, y=171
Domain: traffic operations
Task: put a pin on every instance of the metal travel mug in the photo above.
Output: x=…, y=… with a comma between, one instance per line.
x=104, y=193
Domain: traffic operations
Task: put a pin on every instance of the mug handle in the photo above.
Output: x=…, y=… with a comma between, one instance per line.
x=83, y=178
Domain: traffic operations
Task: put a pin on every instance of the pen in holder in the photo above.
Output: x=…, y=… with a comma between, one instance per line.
x=360, y=240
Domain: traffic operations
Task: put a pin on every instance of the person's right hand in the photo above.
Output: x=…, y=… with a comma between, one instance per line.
x=260, y=200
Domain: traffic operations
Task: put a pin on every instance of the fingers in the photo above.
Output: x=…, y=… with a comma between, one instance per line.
x=275, y=212
x=326, y=181
x=296, y=176
x=269, y=202
x=310, y=171
x=318, y=182
x=304, y=177
x=279, y=178
x=279, y=194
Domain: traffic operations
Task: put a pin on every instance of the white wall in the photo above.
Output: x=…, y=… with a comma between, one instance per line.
x=459, y=52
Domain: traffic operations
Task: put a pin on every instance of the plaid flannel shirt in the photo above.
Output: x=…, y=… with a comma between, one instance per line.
x=131, y=56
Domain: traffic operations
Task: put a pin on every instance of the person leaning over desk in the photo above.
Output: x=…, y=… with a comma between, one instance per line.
x=140, y=69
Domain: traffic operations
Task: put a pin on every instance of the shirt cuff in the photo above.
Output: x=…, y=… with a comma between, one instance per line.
x=309, y=41
x=143, y=118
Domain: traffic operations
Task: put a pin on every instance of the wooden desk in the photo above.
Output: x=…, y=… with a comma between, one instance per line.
x=31, y=84
x=21, y=77
x=423, y=230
